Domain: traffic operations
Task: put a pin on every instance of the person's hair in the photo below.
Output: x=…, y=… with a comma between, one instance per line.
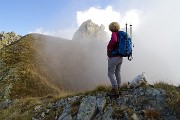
x=114, y=27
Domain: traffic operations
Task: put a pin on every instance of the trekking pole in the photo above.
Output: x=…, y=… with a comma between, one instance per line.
x=126, y=31
x=131, y=32
x=130, y=57
x=126, y=27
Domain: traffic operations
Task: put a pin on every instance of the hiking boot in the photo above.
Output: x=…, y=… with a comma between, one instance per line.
x=119, y=90
x=113, y=92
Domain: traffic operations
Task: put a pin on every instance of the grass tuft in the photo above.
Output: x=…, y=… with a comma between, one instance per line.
x=172, y=95
x=152, y=114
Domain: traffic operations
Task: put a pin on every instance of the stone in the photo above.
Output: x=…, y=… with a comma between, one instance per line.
x=134, y=117
x=87, y=108
x=37, y=108
x=5, y=104
x=66, y=113
x=101, y=102
x=108, y=114
x=43, y=114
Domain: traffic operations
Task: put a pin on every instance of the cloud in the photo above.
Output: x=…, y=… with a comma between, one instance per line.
x=99, y=16
x=105, y=16
x=155, y=35
x=63, y=33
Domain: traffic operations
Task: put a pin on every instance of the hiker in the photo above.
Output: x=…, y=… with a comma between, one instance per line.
x=114, y=61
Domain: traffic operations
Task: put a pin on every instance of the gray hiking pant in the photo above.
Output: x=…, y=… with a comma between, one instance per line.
x=114, y=67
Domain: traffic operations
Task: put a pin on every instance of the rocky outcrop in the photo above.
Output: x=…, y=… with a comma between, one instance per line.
x=89, y=31
x=134, y=104
x=8, y=38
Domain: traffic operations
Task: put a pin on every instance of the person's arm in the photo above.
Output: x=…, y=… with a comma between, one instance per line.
x=112, y=42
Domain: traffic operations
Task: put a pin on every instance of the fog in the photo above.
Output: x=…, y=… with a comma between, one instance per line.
x=82, y=64
x=157, y=43
x=74, y=64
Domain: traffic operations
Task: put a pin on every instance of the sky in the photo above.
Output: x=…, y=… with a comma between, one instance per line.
x=60, y=17
x=155, y=26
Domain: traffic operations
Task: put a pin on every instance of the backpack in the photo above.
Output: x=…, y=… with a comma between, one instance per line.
x=124, y=47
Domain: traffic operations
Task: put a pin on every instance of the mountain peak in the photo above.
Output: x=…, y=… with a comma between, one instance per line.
x=90, y=31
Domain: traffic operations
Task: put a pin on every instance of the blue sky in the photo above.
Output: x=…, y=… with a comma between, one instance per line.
x=23, y=16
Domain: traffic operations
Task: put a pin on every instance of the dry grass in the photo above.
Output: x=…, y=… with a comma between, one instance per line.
x=119, y=112
x=152, y=114
x=22, y=109
x=75, y=107
x=98, y=89
x=172, y=95
x=21, y=69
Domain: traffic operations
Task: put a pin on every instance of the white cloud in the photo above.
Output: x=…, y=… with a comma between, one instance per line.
x=99, y=16
x=105, y=16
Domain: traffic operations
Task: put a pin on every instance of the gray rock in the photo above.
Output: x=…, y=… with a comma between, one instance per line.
x=101, y=102
x=37, y=108
x=66, y=113
x=43, y=114
x=108, y=114
x=134, y=117
x=87, y=108
x=65, y=116
x=61, y=103
x=5, y=104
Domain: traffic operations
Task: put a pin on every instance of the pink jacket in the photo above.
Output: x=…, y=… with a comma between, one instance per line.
x=112, y=43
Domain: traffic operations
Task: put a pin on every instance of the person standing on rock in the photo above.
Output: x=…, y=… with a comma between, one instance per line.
x=114, y=61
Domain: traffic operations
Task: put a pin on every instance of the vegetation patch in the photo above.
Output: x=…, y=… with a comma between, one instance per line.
x=172, y=96
x=21, y=109
x=152, y=114
x=120, y=112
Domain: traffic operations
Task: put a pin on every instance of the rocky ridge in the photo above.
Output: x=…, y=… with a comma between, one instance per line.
x=8, y=38
x=134, y=104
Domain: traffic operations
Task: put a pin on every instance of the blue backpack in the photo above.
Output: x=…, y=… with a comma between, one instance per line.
x=124, y=47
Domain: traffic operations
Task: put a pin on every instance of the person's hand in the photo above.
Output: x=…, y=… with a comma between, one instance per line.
x=108, y=53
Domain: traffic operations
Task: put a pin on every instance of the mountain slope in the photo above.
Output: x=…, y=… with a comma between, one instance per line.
x=38, y=64
x=19, y=69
